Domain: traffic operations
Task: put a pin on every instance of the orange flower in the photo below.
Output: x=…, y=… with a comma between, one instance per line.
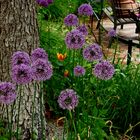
x=61, y=57
x=66, y=73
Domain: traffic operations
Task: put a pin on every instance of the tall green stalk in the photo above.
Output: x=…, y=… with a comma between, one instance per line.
x=116, y=46
x=7, y=112
x=34, y=95
x=41, y=111
x=20, y=90
x=11, y=119
x=71, y=117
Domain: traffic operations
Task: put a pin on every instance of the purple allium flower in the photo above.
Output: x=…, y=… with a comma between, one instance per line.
x=74, y=39
x=41, y=70
x=85, y=9
x=104, y=70
x=21, y=74
x=20, y=57
x=50, y=1
x=79, y=70
x=39, y=53
x=44, y=3
x=7, y=92
x=71, y=20
x=112, y=33
x=83, y=29
x=68, y=99
x=138, y=15
x=92, y=52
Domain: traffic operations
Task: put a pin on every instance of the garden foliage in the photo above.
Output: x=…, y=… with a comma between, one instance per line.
x=98, y=98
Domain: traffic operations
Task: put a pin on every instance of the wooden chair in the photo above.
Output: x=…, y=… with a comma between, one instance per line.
x=135, y=14
x=119, y=15
x=118, y=12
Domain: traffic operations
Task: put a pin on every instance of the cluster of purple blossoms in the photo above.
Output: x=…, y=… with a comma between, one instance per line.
x=20, y=57
x=71, y=20
x=68, y=99
x=83, y=29
x=104, y=70
x=7, y=93
x=41, y=67
x=21, y=70
x=44, y=3
x=79, y=71
x=39, y=53
x=74, y=39
x=85, y=9
x=21, y=74
x=24, y=73
x=41, y=70
x=92, y=52
x=112, y=33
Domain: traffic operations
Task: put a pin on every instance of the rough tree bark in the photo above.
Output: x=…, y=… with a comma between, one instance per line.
x=19, y=31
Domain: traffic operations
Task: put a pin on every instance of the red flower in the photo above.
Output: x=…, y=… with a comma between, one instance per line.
x=61, y=57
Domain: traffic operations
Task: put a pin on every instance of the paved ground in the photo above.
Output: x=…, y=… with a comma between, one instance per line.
x=121, y=48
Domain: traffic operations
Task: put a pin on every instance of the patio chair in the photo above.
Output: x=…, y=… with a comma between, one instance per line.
x=119, y=15
x=135, y=14
x=118, y=12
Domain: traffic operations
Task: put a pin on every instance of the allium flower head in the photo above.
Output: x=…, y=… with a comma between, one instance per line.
x=20, y=57
x=79, y=71
x=44, y=3
x=85, y=9
x=74, y=39
x=7, y=92
x=71, y=20
x=68, y=99
x=41, y=70
x=21, y=74
x=138, y=15
x=104, y=70
x=112, y=33
x=50, y=1
x=39, y=53
x=83, y=29
x=92, y=52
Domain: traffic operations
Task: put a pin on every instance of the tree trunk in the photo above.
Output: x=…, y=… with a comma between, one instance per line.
x=19, y=31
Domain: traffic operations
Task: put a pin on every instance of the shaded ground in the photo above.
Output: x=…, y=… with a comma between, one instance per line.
x=121, y=53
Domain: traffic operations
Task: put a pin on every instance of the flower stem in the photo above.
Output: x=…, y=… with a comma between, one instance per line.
x=72, y=121
x=11, y=123
x=73, y=64
x=41, y=111
x=7, y=111
x=115, y=53
x=20, y=90
x=34, y=95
